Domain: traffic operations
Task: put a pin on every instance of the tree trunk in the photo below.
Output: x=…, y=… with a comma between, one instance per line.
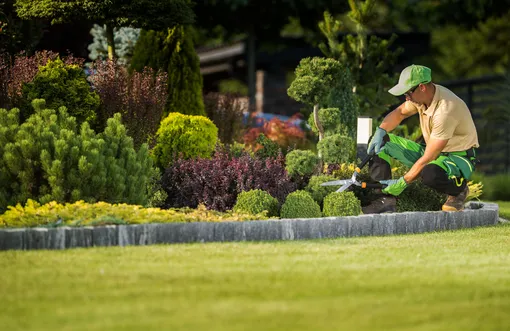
x=320, y=128
x=250, y=49
x=111, y=42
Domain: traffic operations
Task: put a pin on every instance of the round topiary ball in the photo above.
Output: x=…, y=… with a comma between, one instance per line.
x=256, y=201
x=301, y=162
x=317, y=191
x=300, y=204
x=341, y=204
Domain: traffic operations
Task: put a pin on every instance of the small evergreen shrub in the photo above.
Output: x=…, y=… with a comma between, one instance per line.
x=23, y=69
x=341, y=204
x=48, y=157
x=62, y=85
x=337, y=149
x=185, y=136
x=80, y=213
x=317, y=191
x=217, y=182
x=256, y=202
x=300, y=204
x=301, y=162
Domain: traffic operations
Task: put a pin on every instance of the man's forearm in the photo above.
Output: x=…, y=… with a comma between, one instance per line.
x=392, y=120
x=415, y=170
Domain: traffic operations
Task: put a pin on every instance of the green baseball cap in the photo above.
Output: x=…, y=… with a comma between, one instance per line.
x=410, y=77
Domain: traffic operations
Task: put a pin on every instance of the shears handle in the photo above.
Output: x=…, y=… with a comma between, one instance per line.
x=364, y=162
x=372, y=185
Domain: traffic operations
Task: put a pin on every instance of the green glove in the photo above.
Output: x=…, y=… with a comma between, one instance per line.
x=376, y=141
x=395, y=186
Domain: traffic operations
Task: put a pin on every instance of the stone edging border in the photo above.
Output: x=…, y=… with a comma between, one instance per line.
x=476, y=214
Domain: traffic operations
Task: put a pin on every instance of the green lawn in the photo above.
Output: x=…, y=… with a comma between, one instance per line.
x=504, y=209
x=441, y=281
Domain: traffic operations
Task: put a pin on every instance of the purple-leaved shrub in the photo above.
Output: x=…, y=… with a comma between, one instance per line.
x=216, y=182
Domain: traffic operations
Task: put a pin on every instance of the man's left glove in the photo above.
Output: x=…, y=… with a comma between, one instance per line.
x=395, y=186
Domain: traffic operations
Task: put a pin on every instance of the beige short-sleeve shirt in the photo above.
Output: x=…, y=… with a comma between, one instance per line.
x=447, y=118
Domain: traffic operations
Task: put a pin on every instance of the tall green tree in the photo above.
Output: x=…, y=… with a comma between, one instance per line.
x=173, y=51
x=149, y=14
x=260, y=21
x=369, y=58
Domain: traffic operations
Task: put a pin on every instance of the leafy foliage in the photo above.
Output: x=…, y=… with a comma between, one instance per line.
x=173, y=51
x=256, y=202
x=300, y=204
x=140, y=97
x=337, y=148
x=369, y=59
x=341, y=204
x=301, y=162
x=217, y=182
x=80, y=213
x=49, y=158
x=138, y=13
x=419, y=197
x=226, y=112
x=61, y=85
x=185, y=136
x=22, y=70
x=125, y=39
x=283, y=135
x=317, y=191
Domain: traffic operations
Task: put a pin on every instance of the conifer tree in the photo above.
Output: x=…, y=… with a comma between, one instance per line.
x=50, y=158
x=173, y=51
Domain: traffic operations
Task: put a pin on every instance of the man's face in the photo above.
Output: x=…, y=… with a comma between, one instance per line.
x=413, y=94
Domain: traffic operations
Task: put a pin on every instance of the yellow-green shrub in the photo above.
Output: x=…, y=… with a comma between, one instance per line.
x=341, y=204
x=255, y=202
x=81, y=214
x=188, y=135
x=300, y=204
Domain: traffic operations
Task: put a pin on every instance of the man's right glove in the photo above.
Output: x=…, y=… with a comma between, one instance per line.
x=377, y=141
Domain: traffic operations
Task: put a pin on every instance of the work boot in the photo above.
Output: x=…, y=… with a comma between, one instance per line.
x=383, y=204
x=456, y=203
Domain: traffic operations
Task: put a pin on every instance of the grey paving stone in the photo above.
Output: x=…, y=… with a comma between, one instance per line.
x=168, y=233
x=126, y=235
x=334, y=227
x=383, y=225
x=14, y=239
x=224, y=231
x=288, y=229
x=56, y=238
x=80, y=237
x=361, y=225
x=37, y=238
x=205, y=232
x=272, y=230
x=106, y=235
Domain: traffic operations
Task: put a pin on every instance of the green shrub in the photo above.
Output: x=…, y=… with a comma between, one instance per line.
x=256, y=202
x=301, y=162
x=187, y=136
x=317, y=191
x=62, y=85
x=331, y=122
x=419, y=197
x=337, y=149
x=269, y=147
x=300, y=204
x=49, y=158
x=341, y=204
x=79, y=213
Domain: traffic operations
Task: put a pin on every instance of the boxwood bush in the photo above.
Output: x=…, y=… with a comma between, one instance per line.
x=341, y=204
x=300, y=204
x=256, y=202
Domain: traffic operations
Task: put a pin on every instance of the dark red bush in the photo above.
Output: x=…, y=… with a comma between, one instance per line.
x=216, y=182
x=140, y=97
x=23, y=70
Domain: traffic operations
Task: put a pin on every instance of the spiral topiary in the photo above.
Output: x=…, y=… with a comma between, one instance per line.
x=255, y=202
x=300, y=204
x=341, y=204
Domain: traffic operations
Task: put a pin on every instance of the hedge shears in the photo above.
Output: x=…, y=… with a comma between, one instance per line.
x=346, y=183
